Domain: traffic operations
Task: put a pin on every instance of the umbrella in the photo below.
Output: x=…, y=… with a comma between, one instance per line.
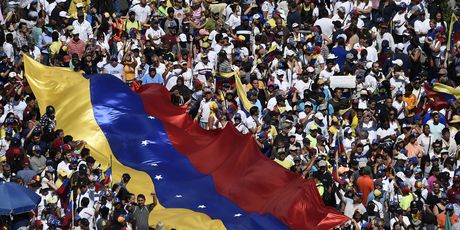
x=17, y=199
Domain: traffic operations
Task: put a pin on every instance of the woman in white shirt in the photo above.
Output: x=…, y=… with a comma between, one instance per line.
x=234, y=19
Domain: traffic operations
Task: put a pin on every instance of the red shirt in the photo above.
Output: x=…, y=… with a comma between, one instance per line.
x=76, y=47
x=365, y=186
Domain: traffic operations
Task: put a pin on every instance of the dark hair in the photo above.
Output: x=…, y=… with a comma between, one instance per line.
x=254, y=110
x=141, y=196
x=67, y=139
x=85, y=202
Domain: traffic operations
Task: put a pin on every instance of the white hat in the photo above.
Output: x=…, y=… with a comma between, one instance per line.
x=183, y=37
x=401, y=157
x=322, y=163
x=63, y=14
x=331, y=57
x=75, y=32
x=400, y=175
x=295, y=24
x=400, y=46
x=310, y=69
x=319, y=116
x=60, y=1
x=133, y=47
x=256, y=16
x=279, y=72
x=12, y=74
x=79, y=5
x=344, y=36
x=398, y=62
x=302, y=115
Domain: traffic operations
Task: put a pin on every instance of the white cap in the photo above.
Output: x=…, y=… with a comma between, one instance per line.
x=12, y=74
x=344, y=36
x=60, y=1
x=400, y=175
x=256, y=16
x=302, y=115
x=63, y=14
x=310, y=69
x=79, y=5
x=183, y=37
x=295, y=24
x=279, y=72
x=319, y=116
x=75, y=32
x=331, y=57
x=398, y=62
x=133, y=47
x=400, y=46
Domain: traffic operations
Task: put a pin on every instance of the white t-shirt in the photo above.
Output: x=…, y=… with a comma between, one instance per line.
x=422, y=26
x=399, y=106
x=400, y=26
x=385, y=132
x=155, y=34
x=142, y=13
x=326, y=25
x=116, y=71
x=9, y=51
x=269, y=8
x=205, y=110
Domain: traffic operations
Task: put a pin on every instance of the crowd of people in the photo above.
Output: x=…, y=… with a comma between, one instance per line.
x=381, y=151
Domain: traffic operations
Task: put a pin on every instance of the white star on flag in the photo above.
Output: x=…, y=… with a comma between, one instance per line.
x=151, y=117
x=158, y=177
x=237, y=215
x=146, y=142
x=201, y=206
x=154, y=164
x=178, y=196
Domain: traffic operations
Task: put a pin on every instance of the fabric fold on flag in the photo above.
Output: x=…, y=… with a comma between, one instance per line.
x=239, y=171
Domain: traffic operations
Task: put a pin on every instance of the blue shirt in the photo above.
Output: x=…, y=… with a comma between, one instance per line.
x=158, y=79
x=341, y=54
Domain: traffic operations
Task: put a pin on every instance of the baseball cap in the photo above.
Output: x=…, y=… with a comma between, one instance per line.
x=397, y=62
x=319, y=116
x=322, y=163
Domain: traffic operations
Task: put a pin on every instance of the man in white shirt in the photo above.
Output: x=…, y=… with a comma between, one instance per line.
x=154, y=33
x=425, y=140
x=115, y=68
x=267, y=8
x=202, y=67
x=8, y=47
x=400, y=21
x=143, y=11
x=87, y=212
x=83, y=27
x=204, y=111
x=421, y=25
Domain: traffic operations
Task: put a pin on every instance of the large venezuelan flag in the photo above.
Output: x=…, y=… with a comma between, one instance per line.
x=203, y=180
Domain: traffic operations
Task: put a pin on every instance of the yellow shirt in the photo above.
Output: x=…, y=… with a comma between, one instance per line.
x=128, y=25
x=55, y=47
x=73, y=7
x=272, y=22
x=287, y=164
x=405, y=202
